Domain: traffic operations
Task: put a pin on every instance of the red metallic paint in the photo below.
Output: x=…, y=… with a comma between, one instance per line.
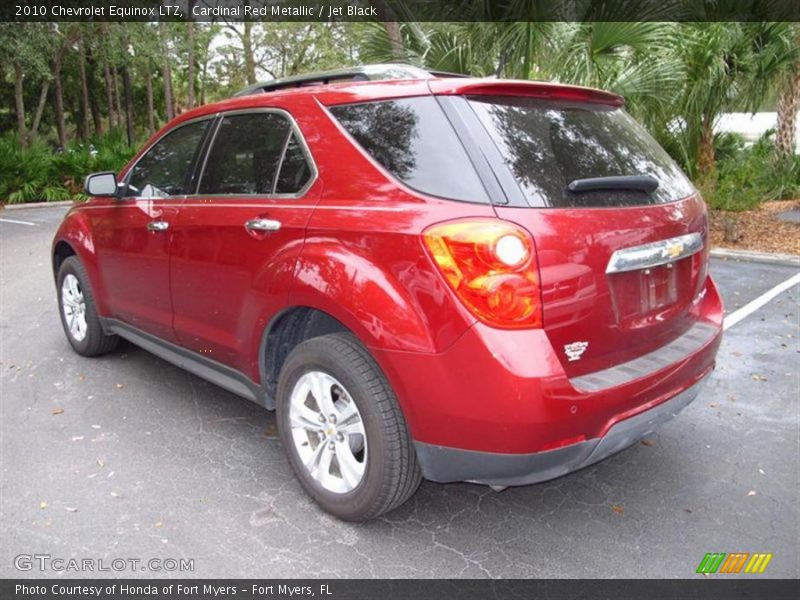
x=351, y=247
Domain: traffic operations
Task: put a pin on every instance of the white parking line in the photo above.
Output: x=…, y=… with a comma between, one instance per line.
x=18, y=222
x=751, y=307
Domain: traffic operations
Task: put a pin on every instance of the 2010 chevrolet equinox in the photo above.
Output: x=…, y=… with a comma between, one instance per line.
x=426, y=275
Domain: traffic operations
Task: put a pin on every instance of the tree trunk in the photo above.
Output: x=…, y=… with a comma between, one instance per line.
x=788, y=105
x=19, y=103
x=93, y=103
x=117, y=95
x=395, y=39
x=249, y=60
x=151, y=117
x=706, y=159
x=74, y=107
x=37, y=117
x=109, y=94
x=59, y=91
x=84, y=87
x=190, y=58
x=167, y=72
x=204, y=75
x=113, y=120
x=96, y=116
x=126, y=83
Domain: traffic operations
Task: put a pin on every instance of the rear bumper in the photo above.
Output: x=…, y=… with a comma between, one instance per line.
x=445, y=464
x=498, y=407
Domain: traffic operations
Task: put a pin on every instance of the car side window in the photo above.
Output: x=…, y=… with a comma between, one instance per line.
x=246, y=157
x=294, y=172
x=165, y=169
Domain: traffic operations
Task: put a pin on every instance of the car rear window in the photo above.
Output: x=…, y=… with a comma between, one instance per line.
x=547, y=145
x=413, y=140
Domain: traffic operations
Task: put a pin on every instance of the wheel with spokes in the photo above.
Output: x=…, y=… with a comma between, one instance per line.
x=343, y=430
x=78, y=313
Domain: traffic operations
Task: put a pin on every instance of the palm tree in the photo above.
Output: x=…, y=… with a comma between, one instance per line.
x=787, y=70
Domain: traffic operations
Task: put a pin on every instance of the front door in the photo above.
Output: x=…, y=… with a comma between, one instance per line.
x=132, y=235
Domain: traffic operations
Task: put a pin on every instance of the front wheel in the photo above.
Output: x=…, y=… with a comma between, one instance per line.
x=343, y=430
x=78, y=312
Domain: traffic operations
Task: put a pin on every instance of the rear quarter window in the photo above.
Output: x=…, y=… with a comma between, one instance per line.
x=547, y=145
x=413, y=140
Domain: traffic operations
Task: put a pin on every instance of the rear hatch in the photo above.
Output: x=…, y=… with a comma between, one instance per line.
x=620, y=233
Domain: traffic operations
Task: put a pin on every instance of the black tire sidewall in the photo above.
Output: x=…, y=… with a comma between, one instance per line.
x=356, y=504
x=94, y=330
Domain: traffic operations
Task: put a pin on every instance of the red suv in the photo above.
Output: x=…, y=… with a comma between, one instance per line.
x=426, y=275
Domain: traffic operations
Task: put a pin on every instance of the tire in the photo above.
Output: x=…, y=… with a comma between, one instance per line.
x=89, y=340
x=390, y=473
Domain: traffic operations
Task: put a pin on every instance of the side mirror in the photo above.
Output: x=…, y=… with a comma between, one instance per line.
x=101, y=184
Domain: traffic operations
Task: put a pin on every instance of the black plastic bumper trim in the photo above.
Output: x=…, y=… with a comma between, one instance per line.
x=444, y=464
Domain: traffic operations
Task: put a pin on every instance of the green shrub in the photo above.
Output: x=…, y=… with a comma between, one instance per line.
x=748, y=176
x=37, y=173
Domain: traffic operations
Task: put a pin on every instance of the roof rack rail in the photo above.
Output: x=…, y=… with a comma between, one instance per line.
x=360, y=73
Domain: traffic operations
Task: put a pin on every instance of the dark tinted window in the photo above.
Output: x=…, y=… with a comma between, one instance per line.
x=165, y=169
x=415, y=142
x=547, y=145
x=294, y=173
x=245, y=154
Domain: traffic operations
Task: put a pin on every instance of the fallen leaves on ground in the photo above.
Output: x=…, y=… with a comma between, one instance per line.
x=751, y=493
x=648, y=443
x=757, y=377
x=759, y=229
x=56, y=411
x=618, y=508
x=270, y=430
x=42, y=504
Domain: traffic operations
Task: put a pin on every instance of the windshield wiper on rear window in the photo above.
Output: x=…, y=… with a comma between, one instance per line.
x=643, y=183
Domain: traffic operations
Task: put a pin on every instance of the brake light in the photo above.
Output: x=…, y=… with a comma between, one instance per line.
x=491, y=266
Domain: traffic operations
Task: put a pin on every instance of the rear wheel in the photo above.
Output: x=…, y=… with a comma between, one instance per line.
x=78, y=313
x=343, y=430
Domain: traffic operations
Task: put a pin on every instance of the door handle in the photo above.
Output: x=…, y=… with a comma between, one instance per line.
x=262, y=225
x=157, y=226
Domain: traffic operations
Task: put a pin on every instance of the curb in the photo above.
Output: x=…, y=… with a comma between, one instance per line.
x=790, y=260
x=37, y=205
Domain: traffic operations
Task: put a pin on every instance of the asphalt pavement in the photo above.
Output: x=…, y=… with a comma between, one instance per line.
x=126, y=456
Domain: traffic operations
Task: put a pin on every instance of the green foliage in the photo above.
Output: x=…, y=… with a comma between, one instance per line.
x=750, y=175
x=38, y=174
x=677, y=78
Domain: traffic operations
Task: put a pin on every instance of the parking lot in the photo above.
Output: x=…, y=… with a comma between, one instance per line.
x=127, y=456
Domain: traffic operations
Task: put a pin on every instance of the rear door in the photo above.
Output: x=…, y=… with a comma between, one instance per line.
x=235, y=242
x=621, y=261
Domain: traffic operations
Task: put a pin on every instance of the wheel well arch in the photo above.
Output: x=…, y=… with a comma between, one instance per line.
x=61, y=252
x=286, y=330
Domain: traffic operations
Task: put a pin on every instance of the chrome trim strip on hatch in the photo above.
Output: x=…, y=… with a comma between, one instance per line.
x=655, y=253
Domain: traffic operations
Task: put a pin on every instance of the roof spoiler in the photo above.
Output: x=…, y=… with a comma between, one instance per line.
x=360, y=73
x=530, y=89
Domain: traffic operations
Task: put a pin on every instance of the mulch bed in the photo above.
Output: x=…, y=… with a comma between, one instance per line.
x=760, y=230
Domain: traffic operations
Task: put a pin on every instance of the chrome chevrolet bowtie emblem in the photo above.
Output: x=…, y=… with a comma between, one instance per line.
x=674, y=250
x=575, y=350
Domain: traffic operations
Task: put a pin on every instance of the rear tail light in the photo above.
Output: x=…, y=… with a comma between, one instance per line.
x=491, y=266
